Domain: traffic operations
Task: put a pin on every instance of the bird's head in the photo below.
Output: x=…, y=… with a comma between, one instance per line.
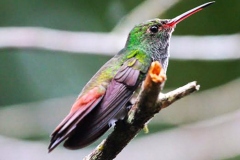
x=153, y=36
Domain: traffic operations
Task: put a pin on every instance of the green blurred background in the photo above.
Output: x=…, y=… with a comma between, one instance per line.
x=32, y=76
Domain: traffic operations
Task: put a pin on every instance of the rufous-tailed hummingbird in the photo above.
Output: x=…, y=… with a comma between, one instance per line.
x=104, y=98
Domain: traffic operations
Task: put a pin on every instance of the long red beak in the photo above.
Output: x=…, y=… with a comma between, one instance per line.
x=183, y=16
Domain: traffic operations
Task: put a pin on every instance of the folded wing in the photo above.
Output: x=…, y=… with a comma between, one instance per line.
x=117, y=95
x=80, y=109
x=92, y=113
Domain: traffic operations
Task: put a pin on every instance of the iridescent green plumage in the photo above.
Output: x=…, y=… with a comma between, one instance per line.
x=142, y=45
x=107, y=93
x=104, y=98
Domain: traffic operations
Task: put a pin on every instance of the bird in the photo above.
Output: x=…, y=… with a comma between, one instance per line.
x=105, y=98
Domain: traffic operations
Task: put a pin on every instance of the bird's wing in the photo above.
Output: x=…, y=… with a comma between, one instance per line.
x=118, y=93
x=80, y=109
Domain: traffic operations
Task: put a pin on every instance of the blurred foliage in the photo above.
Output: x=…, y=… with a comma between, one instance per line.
x=207, y=73
x=31, y=75
x=234, y=158
x=67, y=15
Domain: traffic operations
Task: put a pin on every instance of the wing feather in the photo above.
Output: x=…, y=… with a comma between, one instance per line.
x=117, y=95
x=105, y=102
x=80, y=109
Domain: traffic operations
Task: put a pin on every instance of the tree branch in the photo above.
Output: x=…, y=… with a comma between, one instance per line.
x=167, y=99
x=147, y=105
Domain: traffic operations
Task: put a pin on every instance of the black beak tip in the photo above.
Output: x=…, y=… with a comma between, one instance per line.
x=207, y=4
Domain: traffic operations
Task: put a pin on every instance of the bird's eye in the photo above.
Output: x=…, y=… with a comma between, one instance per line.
x=154, y=29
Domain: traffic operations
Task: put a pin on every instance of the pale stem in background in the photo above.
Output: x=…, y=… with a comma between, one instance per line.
x=198, y=47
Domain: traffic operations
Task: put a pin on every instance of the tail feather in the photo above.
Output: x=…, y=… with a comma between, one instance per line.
x=68, y=125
